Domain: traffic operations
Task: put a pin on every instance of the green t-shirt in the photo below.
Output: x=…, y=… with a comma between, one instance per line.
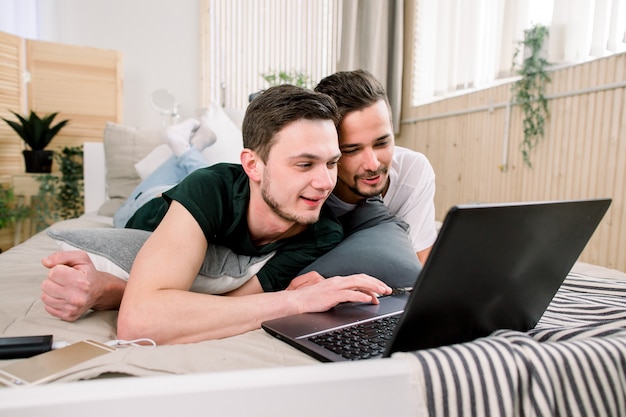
x=217, y=197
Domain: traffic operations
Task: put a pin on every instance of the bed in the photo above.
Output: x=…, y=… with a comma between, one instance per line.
x=572, y=363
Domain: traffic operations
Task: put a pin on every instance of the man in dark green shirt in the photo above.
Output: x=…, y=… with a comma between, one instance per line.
x=288, y=169
x=221, y=211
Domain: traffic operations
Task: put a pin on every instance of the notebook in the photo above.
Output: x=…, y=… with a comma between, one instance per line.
x=493, y=266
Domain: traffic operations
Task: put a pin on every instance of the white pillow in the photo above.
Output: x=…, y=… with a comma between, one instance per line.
x=229, y=142
x=227, y=148
x=113, y=250
x=154, y=159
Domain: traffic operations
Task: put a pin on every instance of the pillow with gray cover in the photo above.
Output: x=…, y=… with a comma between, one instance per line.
x=376, y=244
x=113, y=250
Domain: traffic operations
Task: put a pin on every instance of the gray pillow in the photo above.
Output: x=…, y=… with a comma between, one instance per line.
x=376, y=244
x=113, y=250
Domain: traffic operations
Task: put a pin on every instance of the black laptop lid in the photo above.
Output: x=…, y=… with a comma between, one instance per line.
x=494, y=267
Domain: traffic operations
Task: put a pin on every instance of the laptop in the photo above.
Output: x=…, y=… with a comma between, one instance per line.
x=492, y=267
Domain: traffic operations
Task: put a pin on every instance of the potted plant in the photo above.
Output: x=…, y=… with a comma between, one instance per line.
x=273, y=78
x=299, y=78
x=36, y=132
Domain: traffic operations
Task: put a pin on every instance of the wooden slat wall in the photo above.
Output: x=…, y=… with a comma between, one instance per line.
x=11, y=98
x=583, y=154
x=83, y=84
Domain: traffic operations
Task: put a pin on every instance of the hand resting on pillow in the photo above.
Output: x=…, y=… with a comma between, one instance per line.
x=73, y=281
x=74, y=286
x=376, y=244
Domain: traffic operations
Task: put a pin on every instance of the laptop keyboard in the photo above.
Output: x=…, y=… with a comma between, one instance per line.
x=360, y=341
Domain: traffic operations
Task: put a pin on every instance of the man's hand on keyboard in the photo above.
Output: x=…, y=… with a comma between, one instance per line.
x=314, y=293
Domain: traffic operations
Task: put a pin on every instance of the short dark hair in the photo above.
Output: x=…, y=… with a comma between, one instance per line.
x=352, y=90
x=278, y=106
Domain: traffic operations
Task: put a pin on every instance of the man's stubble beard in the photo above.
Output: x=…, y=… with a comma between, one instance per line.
x=277, y=209
x=372, y=192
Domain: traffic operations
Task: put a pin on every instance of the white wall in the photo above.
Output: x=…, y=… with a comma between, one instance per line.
x=159, y=40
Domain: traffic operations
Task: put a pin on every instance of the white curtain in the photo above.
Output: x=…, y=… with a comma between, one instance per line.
x=585, y=29
x=20, y=18
x=372, y=33
x=247, y=38
x=461, y=44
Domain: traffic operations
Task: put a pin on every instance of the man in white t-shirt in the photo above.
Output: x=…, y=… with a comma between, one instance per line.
x=371, y=164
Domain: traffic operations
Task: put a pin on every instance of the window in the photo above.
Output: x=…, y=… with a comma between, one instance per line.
x=462, y=44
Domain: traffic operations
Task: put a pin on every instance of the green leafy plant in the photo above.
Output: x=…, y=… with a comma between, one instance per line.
x=10, y=209
x=37, y=132
x=273, y=78
x=299, y=78
x=529, y=91
x=61, y=197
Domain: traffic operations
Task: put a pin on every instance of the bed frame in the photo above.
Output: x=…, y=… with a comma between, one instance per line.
x=368, y=388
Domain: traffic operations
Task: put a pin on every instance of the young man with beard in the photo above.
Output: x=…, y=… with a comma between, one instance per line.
x=371, y=165
x=384, y=193
x=271, y=203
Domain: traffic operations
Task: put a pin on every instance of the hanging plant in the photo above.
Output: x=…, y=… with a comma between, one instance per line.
x=529, y=91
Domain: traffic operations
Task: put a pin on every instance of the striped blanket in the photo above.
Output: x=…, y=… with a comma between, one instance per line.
x=573, y=363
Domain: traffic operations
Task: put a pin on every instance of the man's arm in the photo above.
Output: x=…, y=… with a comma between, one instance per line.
x=423, y=255
x=412, y=200
x=157, y=302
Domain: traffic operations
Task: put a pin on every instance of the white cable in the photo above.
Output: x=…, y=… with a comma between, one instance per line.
x=135, y=343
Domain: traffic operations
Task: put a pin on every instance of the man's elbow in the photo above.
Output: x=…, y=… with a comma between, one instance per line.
x=132, y=325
